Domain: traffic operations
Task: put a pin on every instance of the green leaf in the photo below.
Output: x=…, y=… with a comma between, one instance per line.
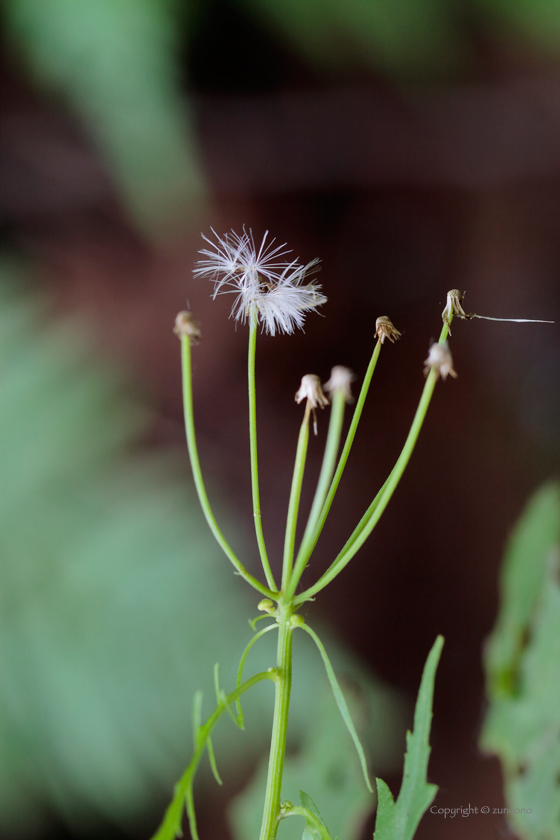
x=522, y=663
x=315, y=827
x=399, y=820
x=341, y=703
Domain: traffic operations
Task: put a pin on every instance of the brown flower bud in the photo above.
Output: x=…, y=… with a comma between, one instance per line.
x=384, y=328
x=186, y=325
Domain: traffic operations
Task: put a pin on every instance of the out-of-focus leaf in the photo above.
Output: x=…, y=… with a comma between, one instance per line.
x=399, y=820
x=522, y=664
x=115, y=62
x=415, y=38
x=535, y=20
x=326, y=764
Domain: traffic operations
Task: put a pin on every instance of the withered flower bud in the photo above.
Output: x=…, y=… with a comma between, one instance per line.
x=341, y=379
x=454, y=306
x=310, y=389
x=440, y=360
x=186, y=325
x=384, y=328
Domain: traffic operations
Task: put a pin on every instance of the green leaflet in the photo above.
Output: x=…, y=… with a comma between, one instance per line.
x=183, y=795
x=399, y=820
x=522, y=663
x=315, y=827
x=341, y=703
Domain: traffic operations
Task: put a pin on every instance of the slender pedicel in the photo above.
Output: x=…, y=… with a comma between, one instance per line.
x=186, y=339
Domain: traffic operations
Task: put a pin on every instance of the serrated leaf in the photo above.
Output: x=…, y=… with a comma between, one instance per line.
x=399, y=820
x=522, y=663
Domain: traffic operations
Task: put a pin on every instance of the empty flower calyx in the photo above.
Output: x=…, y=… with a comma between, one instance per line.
x=384, y=328
x=440, y=360
x=186, y=325
x=454, y=307
x=341, y=379
x=310, y=389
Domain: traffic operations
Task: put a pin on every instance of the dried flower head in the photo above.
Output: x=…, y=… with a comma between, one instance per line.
x=341, y=379
x=454, y=306
x=384, y=328
x=440, y=360
x=186, y=325
x=267, y=287
x=310, y=389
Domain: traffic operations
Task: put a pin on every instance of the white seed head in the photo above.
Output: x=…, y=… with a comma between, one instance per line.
x=341, y=379
x=266, y=286
x=310, y=390
x=384, y=328
x=186, y=325
x=440, y=360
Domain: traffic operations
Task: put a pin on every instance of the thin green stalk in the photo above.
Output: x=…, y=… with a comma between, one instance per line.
x=271, y=812
x=254, y=460
x=358, y=529
x=303, y=556
x=197, y=473
x=362, y=531
x=325, y=476
x=295, y=495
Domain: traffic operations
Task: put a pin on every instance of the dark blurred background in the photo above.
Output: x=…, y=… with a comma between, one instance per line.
x=414, y=146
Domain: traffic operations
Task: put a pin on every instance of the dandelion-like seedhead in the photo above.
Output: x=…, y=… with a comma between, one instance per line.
x=267, y=287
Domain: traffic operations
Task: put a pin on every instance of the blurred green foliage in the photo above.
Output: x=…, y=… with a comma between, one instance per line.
x=116, y=63
x=402, y=38
x=522, y=663
x=116, y=602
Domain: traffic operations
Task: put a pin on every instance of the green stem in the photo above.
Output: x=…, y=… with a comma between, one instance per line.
x=303, y=556
x=271, y=812
x=295, y=495
x=197, y=473
x=325, y=476
x=362, y=531
x=254, y=460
